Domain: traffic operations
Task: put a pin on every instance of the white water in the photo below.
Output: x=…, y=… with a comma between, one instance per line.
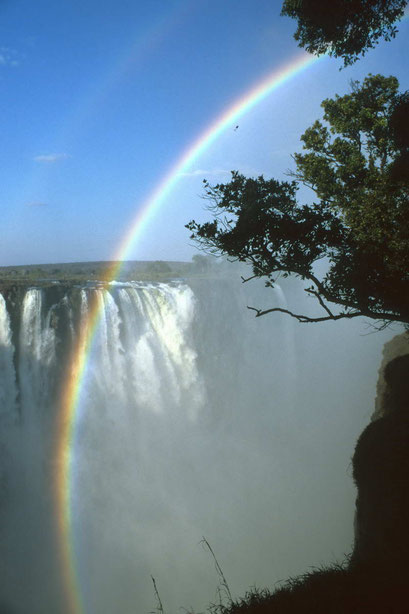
x=8, y=390
x=195, y=419
x=37, y=355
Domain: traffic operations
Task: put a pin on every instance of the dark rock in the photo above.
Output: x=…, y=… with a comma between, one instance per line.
x=381, y=474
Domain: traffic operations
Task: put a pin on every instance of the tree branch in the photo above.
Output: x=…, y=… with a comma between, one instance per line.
x=320, y=300
x=303, y=318
x=245, y=279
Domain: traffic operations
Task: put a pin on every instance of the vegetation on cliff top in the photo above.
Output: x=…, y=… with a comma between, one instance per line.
x=132, y=270
x=350, y=245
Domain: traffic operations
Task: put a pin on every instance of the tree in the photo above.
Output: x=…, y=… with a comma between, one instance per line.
x=158, y=267
x=399, y=124
x=343, y=28
x=358, y=224
x=201, y=263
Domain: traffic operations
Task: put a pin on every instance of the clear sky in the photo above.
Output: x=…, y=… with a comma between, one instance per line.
x=100, y=99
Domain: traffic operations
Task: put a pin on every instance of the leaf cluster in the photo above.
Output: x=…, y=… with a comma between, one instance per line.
x=343, y=28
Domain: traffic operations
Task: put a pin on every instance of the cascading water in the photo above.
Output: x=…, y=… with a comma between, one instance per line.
x=194, y=419
x=37, y=354
x=8, y=390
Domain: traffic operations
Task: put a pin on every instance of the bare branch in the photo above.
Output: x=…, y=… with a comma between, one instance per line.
x=223, y=582
x=320, y=300
x=159, y=607
x=303, y=318
x=245, y=279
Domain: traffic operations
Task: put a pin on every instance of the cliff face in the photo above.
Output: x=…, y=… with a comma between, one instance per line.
x=398, y=346
x=381, y=473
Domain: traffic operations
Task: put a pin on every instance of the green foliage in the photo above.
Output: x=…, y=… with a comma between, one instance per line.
x=202, y=263
x=348, y=166
x=399, y=124
x=343, y=28
x=158, y=267
x=359, y=224
x=84, y=271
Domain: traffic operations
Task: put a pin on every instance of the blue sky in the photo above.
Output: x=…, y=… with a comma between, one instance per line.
x=99, y=101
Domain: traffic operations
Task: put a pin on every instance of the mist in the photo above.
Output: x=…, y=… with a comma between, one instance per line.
x=196, y=419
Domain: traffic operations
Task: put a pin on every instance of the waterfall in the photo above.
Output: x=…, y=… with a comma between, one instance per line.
x=142, y=367
x=8, y=390
x=37, y=346
x=194, y=419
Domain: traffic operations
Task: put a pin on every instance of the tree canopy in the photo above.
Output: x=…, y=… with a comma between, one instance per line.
x=343, y=28
x=357, y=224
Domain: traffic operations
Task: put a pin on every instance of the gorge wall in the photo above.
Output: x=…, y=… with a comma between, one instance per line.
x=397, y=346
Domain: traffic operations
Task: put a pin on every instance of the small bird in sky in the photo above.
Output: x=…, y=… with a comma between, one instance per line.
x=236, y=128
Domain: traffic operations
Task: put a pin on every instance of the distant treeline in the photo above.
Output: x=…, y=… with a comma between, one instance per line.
x=149, y=270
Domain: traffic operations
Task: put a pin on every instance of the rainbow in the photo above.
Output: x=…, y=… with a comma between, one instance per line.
x=70, y=396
